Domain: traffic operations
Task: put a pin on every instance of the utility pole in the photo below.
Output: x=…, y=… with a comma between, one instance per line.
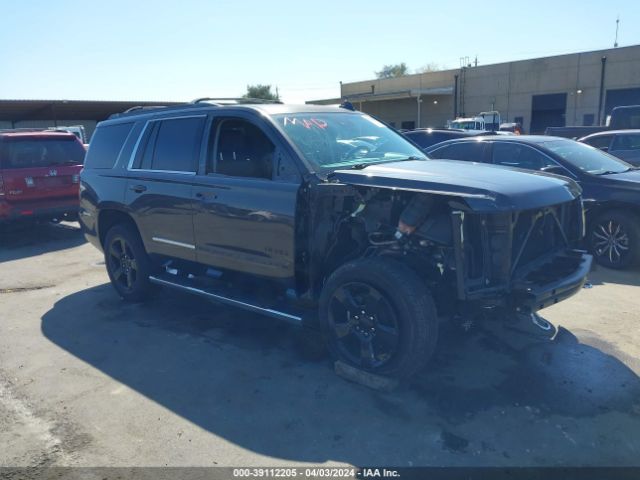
x=615, y=43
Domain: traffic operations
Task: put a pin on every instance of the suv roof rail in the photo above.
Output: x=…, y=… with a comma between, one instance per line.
x=139, y=108
x=197, y=103
x=143, y=107
x=233, y=100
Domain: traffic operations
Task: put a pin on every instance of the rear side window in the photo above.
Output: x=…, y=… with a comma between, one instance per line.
x=106, y=145
x=512, y=154
x=469, y=151
x=171, y=145
x=32, y=152
x=626, y=142
x=601, y=141
x=424, y=139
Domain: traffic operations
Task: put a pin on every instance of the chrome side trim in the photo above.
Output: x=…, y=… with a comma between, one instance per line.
x=146, y=170
x=228, y=301
x=173, y=242
x=137, y=145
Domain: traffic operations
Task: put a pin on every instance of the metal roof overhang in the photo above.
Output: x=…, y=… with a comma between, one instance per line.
x=398, y=95
x=20, y=110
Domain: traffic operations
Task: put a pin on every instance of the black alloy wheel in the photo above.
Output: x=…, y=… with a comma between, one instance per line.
x=122, y=263
x=364, y=324
x=127, y=262
x=378, y=316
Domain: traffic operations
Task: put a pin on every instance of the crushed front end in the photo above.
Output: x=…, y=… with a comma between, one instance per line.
x=526, y=260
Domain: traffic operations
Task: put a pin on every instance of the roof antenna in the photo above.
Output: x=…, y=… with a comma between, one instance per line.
x=615, y=44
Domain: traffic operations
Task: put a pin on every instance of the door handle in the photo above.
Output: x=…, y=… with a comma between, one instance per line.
x=138, y=188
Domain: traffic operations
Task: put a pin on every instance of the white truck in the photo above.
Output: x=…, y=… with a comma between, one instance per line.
x=483, y=122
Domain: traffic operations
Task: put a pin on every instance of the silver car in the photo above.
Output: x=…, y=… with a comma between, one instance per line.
x=624, y=144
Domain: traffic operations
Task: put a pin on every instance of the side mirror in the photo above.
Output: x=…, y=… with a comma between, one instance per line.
x=555, y=169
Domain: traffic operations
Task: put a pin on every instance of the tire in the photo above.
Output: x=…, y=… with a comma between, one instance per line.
x=127, y=262
x=614, y=239
x=397, y=333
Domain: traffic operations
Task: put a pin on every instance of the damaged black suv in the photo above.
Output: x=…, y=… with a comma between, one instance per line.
x=327, y=218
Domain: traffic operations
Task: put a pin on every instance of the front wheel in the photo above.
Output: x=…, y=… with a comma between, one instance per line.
x=615, y=239
x=127, y=263
x=379, y=316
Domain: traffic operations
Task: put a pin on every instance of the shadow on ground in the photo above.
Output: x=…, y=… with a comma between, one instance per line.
x=24, y=240
x=241, y=377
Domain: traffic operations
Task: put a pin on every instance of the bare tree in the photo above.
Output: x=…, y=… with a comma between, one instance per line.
x=393, y=71
x=430, y=67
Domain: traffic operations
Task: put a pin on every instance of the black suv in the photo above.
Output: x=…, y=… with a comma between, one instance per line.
x=324, y=217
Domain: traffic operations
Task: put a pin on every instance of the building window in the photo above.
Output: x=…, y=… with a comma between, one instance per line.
x=588, y=119
x=408, y=125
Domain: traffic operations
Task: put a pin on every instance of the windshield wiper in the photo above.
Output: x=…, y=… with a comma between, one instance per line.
x=360, y=166
x=611, y=172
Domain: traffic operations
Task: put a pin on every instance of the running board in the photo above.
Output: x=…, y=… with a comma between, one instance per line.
x=227, y=300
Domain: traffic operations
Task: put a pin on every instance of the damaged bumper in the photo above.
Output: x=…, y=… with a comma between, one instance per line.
x=533, y=291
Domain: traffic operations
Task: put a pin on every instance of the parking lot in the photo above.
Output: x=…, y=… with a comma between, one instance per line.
x=87, y=380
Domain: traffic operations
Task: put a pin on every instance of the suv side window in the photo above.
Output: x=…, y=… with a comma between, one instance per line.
x=172, y=145
x=601, y=141
x=469, y=151
x=241, y=149
x=106, y=145
x=626, y=142
x=511, y=154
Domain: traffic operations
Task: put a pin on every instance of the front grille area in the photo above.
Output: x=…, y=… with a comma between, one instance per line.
x=504, y=247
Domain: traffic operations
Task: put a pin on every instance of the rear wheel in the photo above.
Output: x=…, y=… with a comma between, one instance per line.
x=615, y=239
x=378, y=316
x=127, y=263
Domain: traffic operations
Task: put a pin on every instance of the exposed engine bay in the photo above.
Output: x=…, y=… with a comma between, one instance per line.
x=489, y=258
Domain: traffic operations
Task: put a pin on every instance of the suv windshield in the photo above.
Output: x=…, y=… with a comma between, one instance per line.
x=334, y=140
x=30, y=152
x=586, y=158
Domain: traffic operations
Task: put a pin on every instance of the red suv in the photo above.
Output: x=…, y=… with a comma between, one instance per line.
x=39, y=175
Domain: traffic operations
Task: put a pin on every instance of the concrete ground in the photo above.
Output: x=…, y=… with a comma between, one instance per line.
x=87, y=380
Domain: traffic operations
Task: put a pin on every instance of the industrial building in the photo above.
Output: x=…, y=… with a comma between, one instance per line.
x=574, y=89
x=55, y=113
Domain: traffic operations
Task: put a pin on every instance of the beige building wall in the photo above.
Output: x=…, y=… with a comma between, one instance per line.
x=506, y=87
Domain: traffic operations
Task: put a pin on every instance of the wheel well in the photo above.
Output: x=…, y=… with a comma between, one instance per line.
x=598, y=210
x=109, y=218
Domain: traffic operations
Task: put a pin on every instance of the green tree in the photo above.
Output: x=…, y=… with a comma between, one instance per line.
x=261, y=91
x=392, y=71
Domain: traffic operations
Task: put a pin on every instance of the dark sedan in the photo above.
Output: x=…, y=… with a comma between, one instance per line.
x=426, y=137
x=611, y=187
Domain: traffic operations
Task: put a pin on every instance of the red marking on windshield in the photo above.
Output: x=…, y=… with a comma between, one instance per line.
x=307, y=123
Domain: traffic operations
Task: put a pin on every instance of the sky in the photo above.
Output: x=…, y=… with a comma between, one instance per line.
x=180, y=50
